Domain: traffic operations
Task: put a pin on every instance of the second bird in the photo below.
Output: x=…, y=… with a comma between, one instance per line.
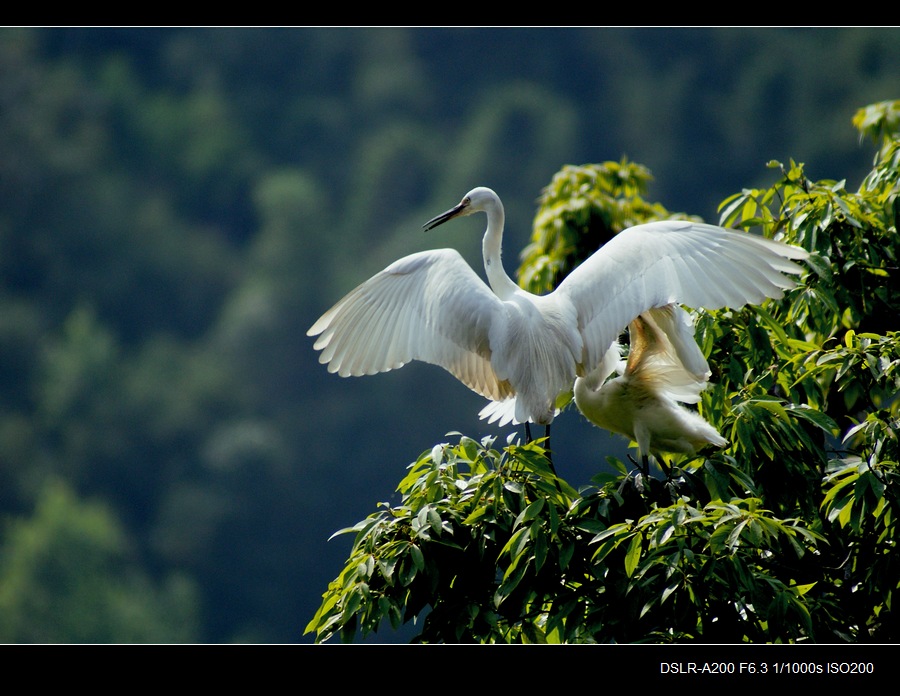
x=665, y=368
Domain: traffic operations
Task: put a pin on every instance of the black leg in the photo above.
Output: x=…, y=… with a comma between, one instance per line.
x=546, y=446
x=667, y=470
x=527, y=433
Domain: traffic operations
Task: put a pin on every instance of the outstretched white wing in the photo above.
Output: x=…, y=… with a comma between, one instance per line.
x=429, y=306
x=673, y=261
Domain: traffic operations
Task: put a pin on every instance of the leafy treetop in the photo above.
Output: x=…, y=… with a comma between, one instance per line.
x=789, y=534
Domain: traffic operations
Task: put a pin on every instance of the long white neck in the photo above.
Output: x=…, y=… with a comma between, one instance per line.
x=491, y=246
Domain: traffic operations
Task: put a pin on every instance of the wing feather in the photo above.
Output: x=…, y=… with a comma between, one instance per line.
x=664, y=355
x=673, y=261
x=430, y=306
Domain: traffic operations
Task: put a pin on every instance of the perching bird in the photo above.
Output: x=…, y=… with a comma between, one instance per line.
x=504, y=342
x=665, y=366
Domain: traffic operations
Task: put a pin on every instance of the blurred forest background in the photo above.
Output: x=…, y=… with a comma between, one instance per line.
x=178, y=205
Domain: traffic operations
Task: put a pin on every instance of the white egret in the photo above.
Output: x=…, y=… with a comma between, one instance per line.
x=664, y=367
x=512, y=346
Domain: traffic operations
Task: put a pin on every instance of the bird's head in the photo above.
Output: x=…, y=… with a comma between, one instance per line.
x=479, y=199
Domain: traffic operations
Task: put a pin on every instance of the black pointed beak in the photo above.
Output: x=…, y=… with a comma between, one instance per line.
x=443, y=217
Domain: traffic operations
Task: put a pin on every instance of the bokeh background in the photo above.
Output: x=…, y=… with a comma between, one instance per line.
x=178, y=205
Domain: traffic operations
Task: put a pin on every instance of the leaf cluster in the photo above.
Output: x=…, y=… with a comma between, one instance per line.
x=489, y=545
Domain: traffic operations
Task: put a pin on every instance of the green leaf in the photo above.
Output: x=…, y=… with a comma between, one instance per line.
x=517, y=542
x=633, y=555
x=418, y=559
x=530, y=512
x=666, y=593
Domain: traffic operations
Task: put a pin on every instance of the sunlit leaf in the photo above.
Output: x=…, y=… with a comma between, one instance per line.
x=633, y=555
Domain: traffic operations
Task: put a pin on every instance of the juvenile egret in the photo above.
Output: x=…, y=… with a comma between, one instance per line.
x=665, y=366
x=505, y=343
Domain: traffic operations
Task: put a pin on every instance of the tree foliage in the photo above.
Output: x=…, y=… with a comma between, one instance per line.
x=70, y=575
x=789, y=534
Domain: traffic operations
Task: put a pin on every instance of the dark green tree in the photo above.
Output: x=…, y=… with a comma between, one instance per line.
x=69, y=574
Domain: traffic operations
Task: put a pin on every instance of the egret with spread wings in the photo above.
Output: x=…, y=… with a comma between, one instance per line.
x=522, y=349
